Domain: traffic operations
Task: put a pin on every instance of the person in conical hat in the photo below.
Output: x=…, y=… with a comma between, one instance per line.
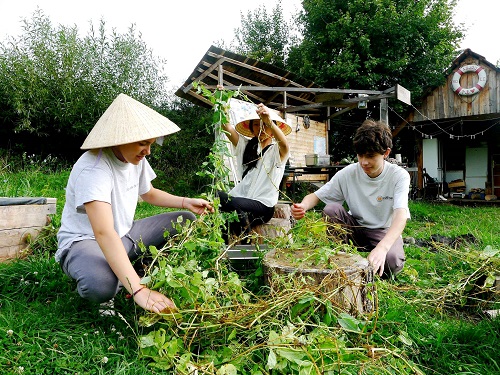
x=261, y=152
x=98, y=239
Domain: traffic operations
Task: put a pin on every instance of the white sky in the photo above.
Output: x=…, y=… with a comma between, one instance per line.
x=181, y=31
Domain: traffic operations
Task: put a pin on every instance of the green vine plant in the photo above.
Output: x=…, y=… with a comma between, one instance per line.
x=222, y=326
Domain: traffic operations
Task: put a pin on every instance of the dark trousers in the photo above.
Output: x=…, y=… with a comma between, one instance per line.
x=84, y=261
x=250, y=213
x=366, y=239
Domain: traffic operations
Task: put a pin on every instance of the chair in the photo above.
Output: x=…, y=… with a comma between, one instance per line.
x=431, y=186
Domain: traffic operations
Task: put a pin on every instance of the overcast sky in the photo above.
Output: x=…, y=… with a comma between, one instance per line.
x=181, y=31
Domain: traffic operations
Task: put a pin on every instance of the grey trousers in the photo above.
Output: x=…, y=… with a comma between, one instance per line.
x=84, y=261
x=366, y=239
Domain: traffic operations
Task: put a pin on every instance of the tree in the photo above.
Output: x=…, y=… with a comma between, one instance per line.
x=374, y=44
x=266, y=37
x=55, y=83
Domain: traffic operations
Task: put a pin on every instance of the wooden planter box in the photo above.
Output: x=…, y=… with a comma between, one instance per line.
x=21, y=220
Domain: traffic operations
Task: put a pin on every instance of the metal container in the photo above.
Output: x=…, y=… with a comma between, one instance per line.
x=311, y=160
x=323, y=160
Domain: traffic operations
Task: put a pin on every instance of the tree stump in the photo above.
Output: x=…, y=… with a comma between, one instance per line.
x=278, y=226
x=347, y=283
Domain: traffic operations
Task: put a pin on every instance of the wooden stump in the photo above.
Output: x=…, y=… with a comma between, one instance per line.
x=282, y=211
x=278, y=226
x=347, y=283
x=21, y=223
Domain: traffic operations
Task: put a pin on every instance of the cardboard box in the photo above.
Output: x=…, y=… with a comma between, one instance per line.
x=456, y=184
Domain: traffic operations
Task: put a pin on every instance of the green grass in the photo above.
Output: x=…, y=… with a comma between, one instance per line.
x=432, y=314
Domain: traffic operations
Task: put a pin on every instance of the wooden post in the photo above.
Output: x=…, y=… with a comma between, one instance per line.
x=384, y=113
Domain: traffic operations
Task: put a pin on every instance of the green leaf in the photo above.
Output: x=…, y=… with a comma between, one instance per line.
x=228, y=369
x=405, y=339
x=349, y=323
x=271, y=360
x=232, y=335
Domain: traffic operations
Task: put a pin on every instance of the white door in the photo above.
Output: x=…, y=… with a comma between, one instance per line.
x=476, y=167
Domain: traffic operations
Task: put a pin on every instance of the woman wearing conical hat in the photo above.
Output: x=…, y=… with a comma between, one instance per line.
x=261, y=152
x=98, y=238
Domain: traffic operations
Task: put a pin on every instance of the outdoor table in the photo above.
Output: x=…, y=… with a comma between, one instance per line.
x=295, y=172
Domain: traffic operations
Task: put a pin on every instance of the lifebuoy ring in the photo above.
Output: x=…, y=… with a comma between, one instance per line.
x=455, y=81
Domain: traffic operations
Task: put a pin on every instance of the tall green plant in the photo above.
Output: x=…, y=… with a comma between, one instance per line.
x=53, y=82
x=267, y=37
x=374, y=44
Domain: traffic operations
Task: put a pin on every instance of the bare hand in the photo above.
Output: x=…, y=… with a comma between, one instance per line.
x=154, y=301
x=298, y=211
x=198, y=206
x=377, y=259
x=264, y=114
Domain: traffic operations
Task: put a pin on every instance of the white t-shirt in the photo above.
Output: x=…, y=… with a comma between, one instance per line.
x=371, y=201
x=100, y=176
x=261, y=183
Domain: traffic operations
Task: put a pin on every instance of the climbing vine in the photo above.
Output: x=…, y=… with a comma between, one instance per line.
x=223, y=325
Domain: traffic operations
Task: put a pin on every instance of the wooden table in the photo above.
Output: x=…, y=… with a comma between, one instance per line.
x=295, y=172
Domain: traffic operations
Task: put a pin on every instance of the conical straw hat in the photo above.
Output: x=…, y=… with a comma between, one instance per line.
x=243, y=127
x=126, y=121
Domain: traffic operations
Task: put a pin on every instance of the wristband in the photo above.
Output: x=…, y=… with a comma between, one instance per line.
x=183, y=202
x=128, y=296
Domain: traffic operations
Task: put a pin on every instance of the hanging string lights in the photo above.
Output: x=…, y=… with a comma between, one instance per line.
x=443, y=129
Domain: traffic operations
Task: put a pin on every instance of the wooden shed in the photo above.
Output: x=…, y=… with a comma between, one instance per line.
x=457, y=127
x=307, y=107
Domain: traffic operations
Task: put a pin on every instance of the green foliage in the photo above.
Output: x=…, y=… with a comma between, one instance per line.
x=46, y=328
x=422, y=322
x=374, y=44
x=56, y=83
x=266, y=37
x=182, y=154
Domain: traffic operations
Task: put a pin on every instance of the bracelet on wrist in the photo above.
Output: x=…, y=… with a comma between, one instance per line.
x=183, y=202
x=128, y=296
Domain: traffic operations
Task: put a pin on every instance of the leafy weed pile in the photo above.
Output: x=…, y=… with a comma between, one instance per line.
x=222, y=327
x=226, y=324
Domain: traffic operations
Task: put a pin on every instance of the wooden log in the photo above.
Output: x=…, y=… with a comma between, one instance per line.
x=347, y=283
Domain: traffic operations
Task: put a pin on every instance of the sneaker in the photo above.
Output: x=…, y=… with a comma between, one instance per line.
x=107, y=308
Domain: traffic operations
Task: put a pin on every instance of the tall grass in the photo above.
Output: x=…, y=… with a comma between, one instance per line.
x=432, y=314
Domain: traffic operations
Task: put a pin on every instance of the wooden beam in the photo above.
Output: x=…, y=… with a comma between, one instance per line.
x=338, y=113
x=251, y=67
x=311, y=90
x=402, y=125
x=203, y=75
x=256, y=97
x=254, y=83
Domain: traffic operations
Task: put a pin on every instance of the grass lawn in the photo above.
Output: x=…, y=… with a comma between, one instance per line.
x=429, y=320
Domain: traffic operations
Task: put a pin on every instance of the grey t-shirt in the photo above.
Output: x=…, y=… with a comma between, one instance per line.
x=99, y=176
x=371, y=201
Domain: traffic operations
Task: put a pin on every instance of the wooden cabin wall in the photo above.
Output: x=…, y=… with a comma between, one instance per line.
x=444, y=103
x=302, y=143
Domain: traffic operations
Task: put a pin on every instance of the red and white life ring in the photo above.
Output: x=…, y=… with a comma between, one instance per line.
x=455, y=81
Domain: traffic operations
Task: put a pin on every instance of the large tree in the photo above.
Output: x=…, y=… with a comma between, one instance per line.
x=264, y=36
x=374, y=44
